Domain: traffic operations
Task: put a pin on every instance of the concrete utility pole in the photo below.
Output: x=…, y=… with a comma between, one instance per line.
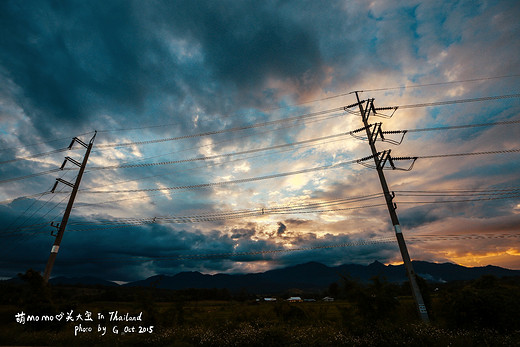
x=379, y=163
x=75, y=187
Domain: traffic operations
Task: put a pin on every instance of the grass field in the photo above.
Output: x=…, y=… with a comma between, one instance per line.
x=482, y=312
x=232, y=323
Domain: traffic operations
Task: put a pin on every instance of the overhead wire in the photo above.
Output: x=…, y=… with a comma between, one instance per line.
x=299, y=117
x=19, y=178
x=191, y=169
x=333, y=97
x=241, y=214
x=222, y=131
x=32, y=230
x=459, y=201
x=224, y=155
x=503, y=151
x=43, y=142
x=458, y=101
x=314, y=114
x=32, y=204
x=25, y=211
x=257, y=150
x=34, y=155
x=232, y=139
x=284, y=174
x=440, y=83
x=263, y=210
x=304, y=208
x=417, y=105
x=24, y=197
x=459, y=190
x=214, y=184
x=188, y=220
x=405, y=87
x=203, y=158
x=465, y=126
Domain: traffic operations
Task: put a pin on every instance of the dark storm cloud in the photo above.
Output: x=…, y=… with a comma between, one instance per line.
x=73, y=61
x=324, y=253
x=249, y=42
x=132, y=253
x=421, y=215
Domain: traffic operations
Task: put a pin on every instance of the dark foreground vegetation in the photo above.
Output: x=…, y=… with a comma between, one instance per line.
x=482, y=312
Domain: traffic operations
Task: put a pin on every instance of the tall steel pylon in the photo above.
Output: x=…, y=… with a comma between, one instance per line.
x=75, y=187
x=380, y=159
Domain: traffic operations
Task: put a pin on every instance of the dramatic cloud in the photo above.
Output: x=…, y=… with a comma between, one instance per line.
x=197, y=109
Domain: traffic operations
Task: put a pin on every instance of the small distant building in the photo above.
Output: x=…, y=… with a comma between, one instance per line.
x=328, y=299
x=295, y=299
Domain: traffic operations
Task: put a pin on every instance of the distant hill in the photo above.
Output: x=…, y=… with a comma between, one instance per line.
x=81, y=280
x=310, y=276
x=316, y=276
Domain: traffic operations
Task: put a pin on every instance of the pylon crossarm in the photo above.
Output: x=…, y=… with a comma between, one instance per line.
x=413, y=159
x=382, y=115
x=394, y=142
x=354, y=132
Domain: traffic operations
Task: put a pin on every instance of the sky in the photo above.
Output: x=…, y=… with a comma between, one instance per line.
x=221, y=130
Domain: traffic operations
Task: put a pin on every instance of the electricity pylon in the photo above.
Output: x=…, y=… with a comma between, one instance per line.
x=380, y=159
x=75, y=187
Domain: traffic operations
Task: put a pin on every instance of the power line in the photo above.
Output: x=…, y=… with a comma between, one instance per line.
x=458, y=101
x=214, y=184
x=24, y=212
x=391, y=159
x=451, y=127
x=256, y=125
x=43, y=142
x=460, y=190
x=20, y=231
x=402, y=87
x=131, y=180
x=233, y=138
x=440, y=83
x=457, y=193
x=34, y=155
x=504, y=151
x=269, y=148
x=225, y=155
x=123, y=166
x=324, y=167
x=31, y=205
x=458, y=201
x=214, y=132
x=333, y=97
x=228, y=215
x=263, y=210
x=9, y=180
x=179, y=220
x=24, y=197
x=178, y=171
x=317, y=207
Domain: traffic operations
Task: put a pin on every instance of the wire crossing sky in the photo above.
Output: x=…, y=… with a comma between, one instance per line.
x=222, y=128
